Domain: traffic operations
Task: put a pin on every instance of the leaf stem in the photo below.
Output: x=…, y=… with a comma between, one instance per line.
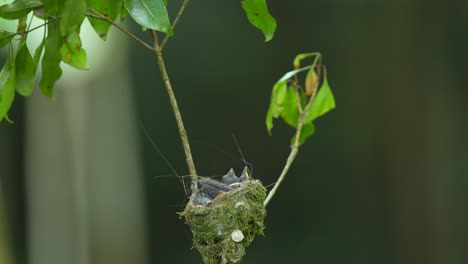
x=175, y=108
x=174, y=24
x=130, y=34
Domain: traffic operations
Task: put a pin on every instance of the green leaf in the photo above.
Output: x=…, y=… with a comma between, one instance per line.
x=38, y=53
x=5, y=37
x=259, y=16
x=7, y=87
x=290, y=113
x=123, y=12
x=25, y=70
x=72, y=14
x=150, y=14
x=72, y=53
x=19, y=8
x=51, y=7
x=51, y=70
x=276, y=103
x=302, y=56
x=278, y=96
x=107, y=8
x=165, y=2
x=307, y=131
x=323, y=102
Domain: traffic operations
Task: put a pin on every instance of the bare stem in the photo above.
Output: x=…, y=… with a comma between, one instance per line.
x=289, y=161
x=130, y=34
x=175, y=107
x=176, y=20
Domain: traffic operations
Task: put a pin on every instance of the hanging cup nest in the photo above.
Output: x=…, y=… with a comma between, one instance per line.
x=225, y=217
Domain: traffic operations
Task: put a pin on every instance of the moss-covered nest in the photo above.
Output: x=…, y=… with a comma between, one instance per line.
x=223, y=228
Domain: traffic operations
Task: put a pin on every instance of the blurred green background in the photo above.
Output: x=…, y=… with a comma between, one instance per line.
x=383, y=180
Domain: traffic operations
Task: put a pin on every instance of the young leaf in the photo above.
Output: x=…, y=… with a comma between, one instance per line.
x=51, y=70
x=25, y=70
x=307, y=131
x=72, y=15
x=5, y=37
x=300, y=57
x=150, y=14
x=259, y=16
x=108, y=8
x=19, y=8
x=323, y=102
x=72, y=53
x=311, y=82
x=7, y=87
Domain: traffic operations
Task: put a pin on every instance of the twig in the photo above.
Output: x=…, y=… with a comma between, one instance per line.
x=106, y=19
x=32, y=29
x=295, y=147
x=289, y=161
x=176, y=20
x=175, y=107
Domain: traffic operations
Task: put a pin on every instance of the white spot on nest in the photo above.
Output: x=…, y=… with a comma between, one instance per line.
x=239, y=204
x=237, y=235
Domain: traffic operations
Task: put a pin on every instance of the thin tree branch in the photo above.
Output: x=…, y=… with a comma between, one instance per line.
x=106, y=19
x=295, y=147
x=175, y=107
x=176, y=20
x=24, y=32
x=289, y=161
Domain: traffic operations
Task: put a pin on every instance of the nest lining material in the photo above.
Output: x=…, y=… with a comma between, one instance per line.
x=225, y=226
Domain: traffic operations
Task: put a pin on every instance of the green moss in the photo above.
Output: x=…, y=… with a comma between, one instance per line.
x=212, y=225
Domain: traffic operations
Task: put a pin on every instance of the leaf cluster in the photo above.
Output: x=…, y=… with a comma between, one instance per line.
x=299, y=105
x=62, y=20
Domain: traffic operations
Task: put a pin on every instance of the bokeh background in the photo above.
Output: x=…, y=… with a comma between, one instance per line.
x=383, y=180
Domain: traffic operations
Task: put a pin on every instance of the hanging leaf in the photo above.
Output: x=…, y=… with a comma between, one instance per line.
x=51, y=70
x=258, y=14
x=150, y=14
x=290, y=113
x=107, y=8
x=5, y=37
x=38, y=53
x=25, y=70
x=7, y=87
x=276, y=101
x=72, y=53
x=19, y=8
x=323, y=102
x=278, y=95
x=72, y=14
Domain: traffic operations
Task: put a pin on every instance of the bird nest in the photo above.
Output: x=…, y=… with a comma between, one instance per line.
x=224, y=219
